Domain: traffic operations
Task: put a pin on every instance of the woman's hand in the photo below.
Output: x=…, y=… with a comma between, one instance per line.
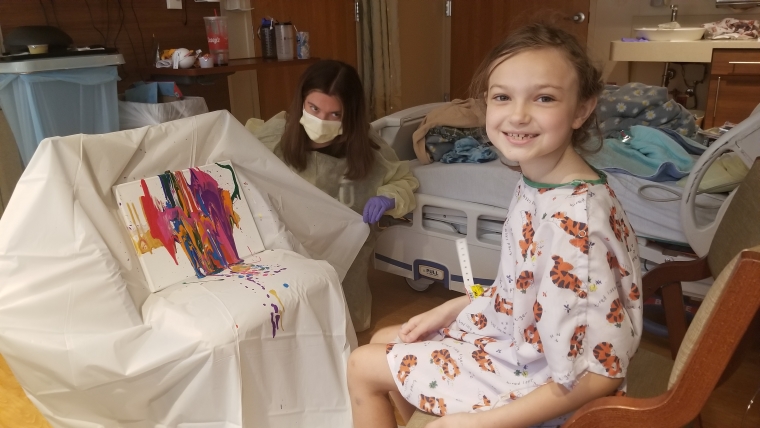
x=420, y=326
x=375, y=207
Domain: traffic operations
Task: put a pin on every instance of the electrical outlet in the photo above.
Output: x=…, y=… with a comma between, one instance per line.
x=174, y=4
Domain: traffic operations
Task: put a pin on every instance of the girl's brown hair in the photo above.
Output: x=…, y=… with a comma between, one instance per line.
x=337, y=79
x=543, y=36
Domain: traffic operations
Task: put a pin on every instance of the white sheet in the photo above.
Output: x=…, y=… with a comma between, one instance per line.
x=92, y=347
x=492, y=183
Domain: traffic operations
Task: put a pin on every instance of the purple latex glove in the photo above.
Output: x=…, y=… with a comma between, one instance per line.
x=375, y=208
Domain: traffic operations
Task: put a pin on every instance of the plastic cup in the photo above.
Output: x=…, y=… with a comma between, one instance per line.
x=206, y=62
x=217, y=36
x=302, y=45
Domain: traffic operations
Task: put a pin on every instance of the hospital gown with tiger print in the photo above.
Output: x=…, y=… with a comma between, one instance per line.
x=566, y=301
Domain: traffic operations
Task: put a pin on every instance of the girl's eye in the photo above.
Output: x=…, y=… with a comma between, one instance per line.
x=545, y=99
x=336, y=115
x=314, y=108
x=500, y=97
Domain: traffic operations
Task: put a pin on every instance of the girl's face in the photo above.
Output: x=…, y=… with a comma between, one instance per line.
x=533, y=108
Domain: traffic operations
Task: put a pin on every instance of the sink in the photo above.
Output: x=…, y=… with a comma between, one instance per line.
x=671, y=34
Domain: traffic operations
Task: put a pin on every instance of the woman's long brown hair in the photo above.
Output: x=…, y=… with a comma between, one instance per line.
x=337, y=79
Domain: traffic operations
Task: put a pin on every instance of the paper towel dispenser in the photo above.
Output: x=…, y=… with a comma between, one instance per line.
x=737, y=4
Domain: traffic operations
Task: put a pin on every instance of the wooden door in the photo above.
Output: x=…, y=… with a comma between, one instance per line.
x=478, y=25
x=332, y=33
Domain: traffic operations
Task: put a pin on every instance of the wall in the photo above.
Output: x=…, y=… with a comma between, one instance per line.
x=614, y=19
x=128, y=25
x=332, y=32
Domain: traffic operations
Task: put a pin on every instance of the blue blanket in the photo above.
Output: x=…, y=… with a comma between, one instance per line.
x=649, y=154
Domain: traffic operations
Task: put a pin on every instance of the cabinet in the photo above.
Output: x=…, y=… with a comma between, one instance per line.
x=734, y=89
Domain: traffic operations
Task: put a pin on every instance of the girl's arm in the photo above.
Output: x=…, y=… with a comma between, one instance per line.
x=418, y=327
x=542, y=404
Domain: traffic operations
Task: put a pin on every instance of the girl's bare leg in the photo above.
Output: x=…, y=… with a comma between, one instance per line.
x=369, y=382
x=384, y=336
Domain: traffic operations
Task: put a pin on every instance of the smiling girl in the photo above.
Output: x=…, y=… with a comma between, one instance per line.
x=563, y=318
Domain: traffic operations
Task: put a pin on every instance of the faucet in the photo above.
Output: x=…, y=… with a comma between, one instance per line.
x=673, y=12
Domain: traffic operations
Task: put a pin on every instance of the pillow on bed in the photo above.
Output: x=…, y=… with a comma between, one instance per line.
x=724, y=175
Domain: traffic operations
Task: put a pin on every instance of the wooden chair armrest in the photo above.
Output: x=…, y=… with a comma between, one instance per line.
x=622, y=412
x=675, y=271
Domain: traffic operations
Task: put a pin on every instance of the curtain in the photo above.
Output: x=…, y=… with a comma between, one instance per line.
x=379, y=57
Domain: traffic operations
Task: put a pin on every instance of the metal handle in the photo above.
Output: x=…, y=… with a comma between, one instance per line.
x=717, y=92
x=579, y=17
x=744, y=62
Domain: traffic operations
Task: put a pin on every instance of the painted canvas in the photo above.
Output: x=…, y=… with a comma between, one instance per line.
x=194, y=222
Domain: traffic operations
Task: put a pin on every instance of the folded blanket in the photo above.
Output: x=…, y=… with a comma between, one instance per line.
x=440, y=139
x=731, y=28
x=621, y=107
x=692, y=147
x=469, y=150
x=648, y=154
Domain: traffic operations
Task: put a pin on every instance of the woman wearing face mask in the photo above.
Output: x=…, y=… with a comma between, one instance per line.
x=326, y=138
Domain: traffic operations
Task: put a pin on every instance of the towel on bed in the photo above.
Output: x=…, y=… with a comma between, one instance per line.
x=648, y=154
x=621, y=107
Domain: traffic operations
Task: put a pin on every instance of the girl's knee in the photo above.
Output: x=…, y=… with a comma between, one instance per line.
x=386, y=334
x=368, y=366
x=359, y=362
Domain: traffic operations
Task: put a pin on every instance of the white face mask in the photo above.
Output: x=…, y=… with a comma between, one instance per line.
x=320, y=131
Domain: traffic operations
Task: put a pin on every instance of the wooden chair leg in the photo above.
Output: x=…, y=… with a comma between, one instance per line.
x=697, y=422
x=675, y=315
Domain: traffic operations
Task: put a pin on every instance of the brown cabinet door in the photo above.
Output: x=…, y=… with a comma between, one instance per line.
x=332, y=34
x=478, y=25
x=731, y=99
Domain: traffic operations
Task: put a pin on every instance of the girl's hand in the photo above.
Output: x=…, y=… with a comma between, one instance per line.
x=457, y=420
x=419, y=326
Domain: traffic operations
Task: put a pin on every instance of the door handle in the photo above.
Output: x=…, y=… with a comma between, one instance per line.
x=578, y=17
x=717, y=92
x=744, y=62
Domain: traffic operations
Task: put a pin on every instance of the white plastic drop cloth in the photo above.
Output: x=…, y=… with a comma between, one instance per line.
x=136, y=115
x=92, y=347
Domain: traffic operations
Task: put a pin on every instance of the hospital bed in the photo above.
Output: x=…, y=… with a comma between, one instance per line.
x=471, y=200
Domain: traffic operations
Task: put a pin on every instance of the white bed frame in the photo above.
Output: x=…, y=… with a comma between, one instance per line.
x=424, y=252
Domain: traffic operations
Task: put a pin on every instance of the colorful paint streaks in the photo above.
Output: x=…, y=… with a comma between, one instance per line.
x=255, y=273
x=197, y=215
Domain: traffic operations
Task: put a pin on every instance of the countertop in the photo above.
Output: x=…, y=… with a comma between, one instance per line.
x=685, y=51
x=60, y=63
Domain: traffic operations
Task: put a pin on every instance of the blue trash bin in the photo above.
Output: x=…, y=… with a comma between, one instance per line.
x=57, y=103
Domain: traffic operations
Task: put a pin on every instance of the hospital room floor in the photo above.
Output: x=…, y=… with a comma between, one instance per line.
x=394, y=302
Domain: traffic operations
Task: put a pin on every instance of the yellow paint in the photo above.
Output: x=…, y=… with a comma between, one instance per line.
x=143, y=241
x=282, y=309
